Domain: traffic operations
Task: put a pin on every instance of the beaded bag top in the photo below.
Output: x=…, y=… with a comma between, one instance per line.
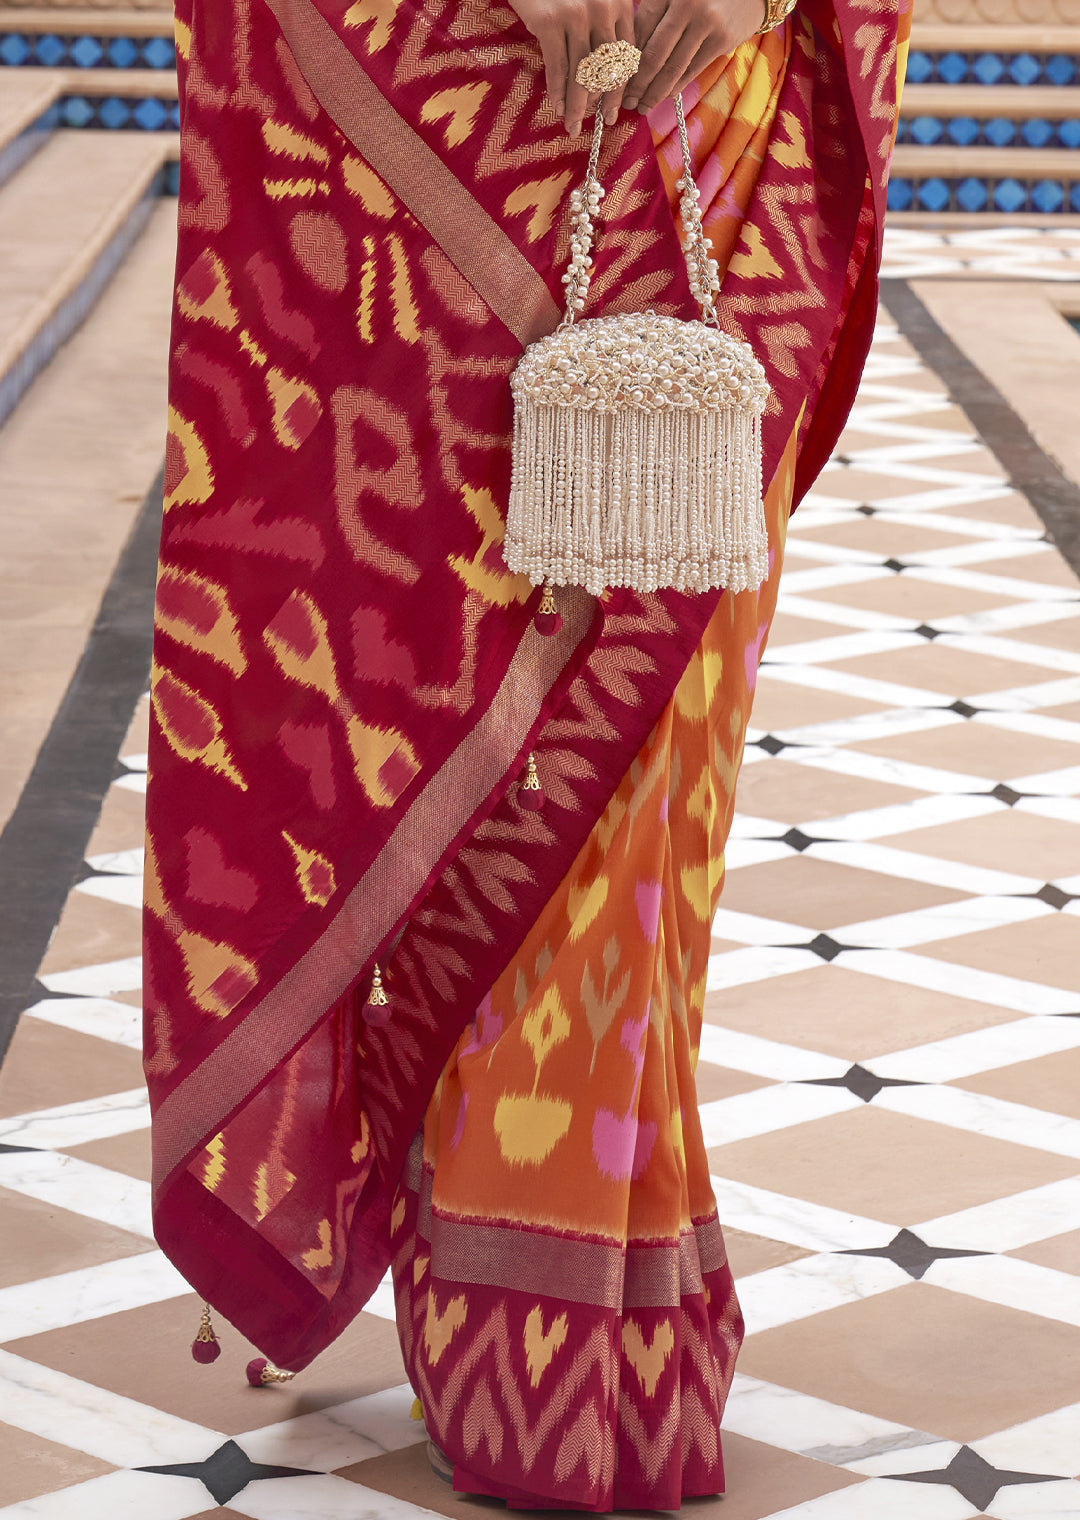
x=637, y=437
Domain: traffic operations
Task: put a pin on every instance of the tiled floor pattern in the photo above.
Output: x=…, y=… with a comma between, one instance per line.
x=890, y=1075
x=1008, y=252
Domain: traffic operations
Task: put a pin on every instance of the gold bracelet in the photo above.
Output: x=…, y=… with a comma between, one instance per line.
x=775, y=12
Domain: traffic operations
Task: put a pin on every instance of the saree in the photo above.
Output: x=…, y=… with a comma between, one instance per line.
x=348, y=684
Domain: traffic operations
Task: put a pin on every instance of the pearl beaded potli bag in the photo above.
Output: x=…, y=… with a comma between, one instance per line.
x=637, y=437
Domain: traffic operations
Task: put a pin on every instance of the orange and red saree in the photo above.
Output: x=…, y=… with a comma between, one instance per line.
x=347, y=682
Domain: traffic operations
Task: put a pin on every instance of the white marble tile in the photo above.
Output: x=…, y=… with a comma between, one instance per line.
x=995, y=585
x=844, y=683
x=59, y=1408
x=1014, y=1284
x=136, y=762
x=979, y=1050
x=781, y=1295
x=340, y=1435
x=880, y=1499
x=1037, y=1501
x=752, y=929
x=320, y=1497
x=117, y=1496
x=122, y=862
x=903, y=817
x=67, y=1182
x=768, y=1058
x=983, y=1115
x=1047, y=1444
x=1007, y=1224
x=842, y=646
x=1065, y=809
x=125, y=890
x=933, y=870
x=835, y=612
x=70, y=1298
x=381, y=1302
x=866, y=767
x=794, y=1220
x=960, y=981
x=757, y=963
x=98, y=981
x=134, y=781
x=794, y=1421
x=923, y=926
x=1000, y=648
x=914, y=1457
x=101, y=1017
x=770, y=1108
x=1038, y=725
x=739, y=853
x=77, y=1123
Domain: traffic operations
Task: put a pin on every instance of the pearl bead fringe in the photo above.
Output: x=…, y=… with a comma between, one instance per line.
x=637, y=438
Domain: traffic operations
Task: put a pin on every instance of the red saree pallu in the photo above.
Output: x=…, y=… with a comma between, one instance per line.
x=348, y=684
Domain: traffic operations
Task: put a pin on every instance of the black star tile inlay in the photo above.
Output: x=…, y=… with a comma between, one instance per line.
x=911, y=1254
x=227, y=1471
x=39, y=992
x=1052, y=896
x=795, y=839
x=974, y=1478
x=866, y=509
x=926, y=632
x=771, y=744
x=858, y=1081
x=17, y=1150
x=965, y=709
x=824, y=946
x=892, y=564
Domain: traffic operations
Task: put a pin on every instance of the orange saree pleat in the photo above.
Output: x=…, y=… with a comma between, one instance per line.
x=564, y=1301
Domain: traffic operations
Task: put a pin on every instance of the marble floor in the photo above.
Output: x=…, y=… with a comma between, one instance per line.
x=889, y=1076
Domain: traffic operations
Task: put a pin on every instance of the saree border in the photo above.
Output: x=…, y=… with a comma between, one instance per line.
x=472, y=240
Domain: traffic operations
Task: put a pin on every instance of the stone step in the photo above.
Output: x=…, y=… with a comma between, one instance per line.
x=76, y=460
x=948, y=161
x=68, y=219
x=117, y=21
x=933, y=37
x=27, y=117
x=1014, y=102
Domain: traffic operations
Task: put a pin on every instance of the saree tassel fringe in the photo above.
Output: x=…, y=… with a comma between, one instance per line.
x=531, y=793
x=262, y=1374
x=377, y=1007
x=206, y=1347
x=548, y=619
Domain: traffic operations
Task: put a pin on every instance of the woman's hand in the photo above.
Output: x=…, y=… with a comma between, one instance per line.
x=679, y=38
x=568, y=30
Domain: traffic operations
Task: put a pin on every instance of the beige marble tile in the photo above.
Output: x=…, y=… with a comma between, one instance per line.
x=843, y=1013
x=1047, y=569
x=128, y=1153
x=47, y=1066
x=1050, y=1082
x=886, y=1166
x=1059, y=1252
x=823, y=895
x=789, y=629
x=755, y=1253
x=1006, y=841
x=1044, y=950
x=32, y=1466
x=992, y=1366
x=145, y=1354
x=905, y=595
x=719, y=1082
x=92, y=930
x=796, y=794
x=40, y=1240
x=1013, y=509
x=976, y=748
x=873, y=535
x=946, y=668
x=1064, y=633
x=121, y=824
x=781, y=704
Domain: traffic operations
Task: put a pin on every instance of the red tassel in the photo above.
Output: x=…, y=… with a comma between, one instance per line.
x=548, y=620
x=261, y=1373
x=530, y=792
x=205, y=1348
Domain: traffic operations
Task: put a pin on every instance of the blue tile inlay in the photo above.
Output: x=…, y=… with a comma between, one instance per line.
x=1024, y=69
x=1060, y=69
x=119, y=113
x=1037, y=133
x=1047, y=196
x=920, y=68
x=933, y=195
x=76, y=111
x=971, y=195
x=84, y=50
x=900, y=195
x=963, y=130
x=987, y=68
x=14, y=49
x=123, y=53
x=49, y=50
x=1069, y=134
x=159, y=53
x=172, y=178
x=1074, y=197
x=952, y=67
x=925, y=129
x=999, y=131
x=114, y=113
x=1009, y=195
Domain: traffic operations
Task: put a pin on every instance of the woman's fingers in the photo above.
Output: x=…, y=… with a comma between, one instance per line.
x=624, y=32
x=666, y=79
x=666, y=36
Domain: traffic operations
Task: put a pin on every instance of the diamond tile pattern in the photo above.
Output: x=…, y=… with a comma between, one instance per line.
x=888, y=1078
